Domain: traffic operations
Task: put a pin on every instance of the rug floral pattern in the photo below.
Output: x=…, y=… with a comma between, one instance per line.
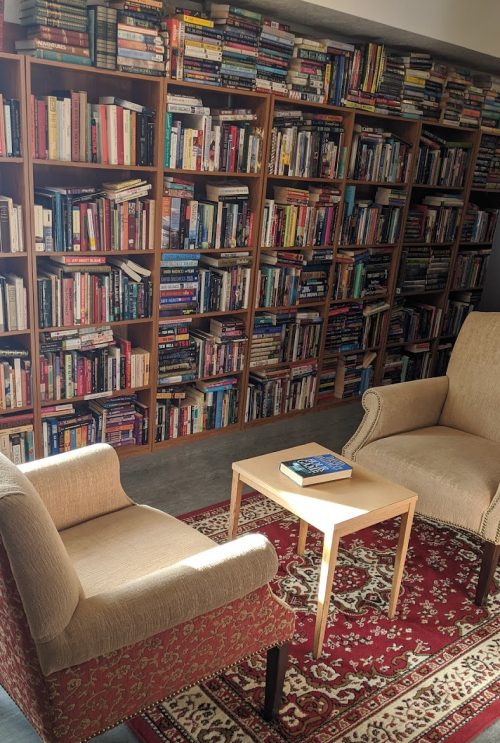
x=431, y=674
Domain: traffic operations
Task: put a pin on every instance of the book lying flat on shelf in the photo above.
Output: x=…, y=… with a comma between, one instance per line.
x=315, y=470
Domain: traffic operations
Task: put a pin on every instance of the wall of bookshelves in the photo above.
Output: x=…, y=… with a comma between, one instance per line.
x=330, y=264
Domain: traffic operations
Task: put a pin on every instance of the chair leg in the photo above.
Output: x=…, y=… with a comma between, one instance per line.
x=277, y=658
x=491, y=553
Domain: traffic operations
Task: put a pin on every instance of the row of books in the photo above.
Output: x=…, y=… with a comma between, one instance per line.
x=326, y=381
x=285, y=337
x=17, y=439
x=353, y=375
x=307, y=144
x=16, y=378
x=193, y=408
x=90, y=362
x=407, y=364
x=457, y=310
x=221, y=220
x=10, y=127
x=354, y=327
x=11, y=226
x=118, y=421
x=207, y=139
x=300, y=218
x=370, y=222
x=490, y=106
x=274, y=392
x=13, y=303
x=379, y=155
x=361, y=273
x=413, y=321
x=87, y=294
x=479, y=224
x=436, y=220
x=442, y=162
x=487, y=165
x=66, y=126
x=287, y=279
x=423, y=268
x=470, y=268
x=114, y=218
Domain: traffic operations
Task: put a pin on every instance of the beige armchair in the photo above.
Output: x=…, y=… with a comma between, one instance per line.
x=440, y=437
x=108, y=607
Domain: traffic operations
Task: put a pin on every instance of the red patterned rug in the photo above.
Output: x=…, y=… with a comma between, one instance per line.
x=431, y=674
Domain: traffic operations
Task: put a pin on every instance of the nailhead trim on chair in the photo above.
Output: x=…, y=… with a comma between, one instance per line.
x=365, y=417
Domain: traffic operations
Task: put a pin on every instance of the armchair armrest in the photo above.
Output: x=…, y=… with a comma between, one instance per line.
x=78, y=485
x=144, y=607
x=398, y=408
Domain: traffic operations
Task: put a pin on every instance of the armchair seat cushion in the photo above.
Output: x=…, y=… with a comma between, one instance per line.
x=125, y=545
x=455, y=474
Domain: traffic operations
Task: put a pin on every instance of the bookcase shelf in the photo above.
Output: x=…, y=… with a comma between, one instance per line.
x=22, y=77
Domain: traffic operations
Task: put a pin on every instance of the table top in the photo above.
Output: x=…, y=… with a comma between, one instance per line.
x=335, y=502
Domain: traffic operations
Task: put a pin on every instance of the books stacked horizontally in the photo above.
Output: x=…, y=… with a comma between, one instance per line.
x=490, y=106
x=423, y=86
x=11, y=226
x=277, y=391
x=370, y=222
x=221, y=220
x=179, y=273
x=89, y=363
x=241, y=30
x=87, y=290
x=423, y=268
x=326, y=384
x=453, y=100
x=365, y=81
x=194, y=46
x=114, y=218
x=361, y=273
x=16, y=384
x=487, y=166
x=10, y=127
x=224, y=282
x=112, y=132
x=300, y=218
x=389, y=93
x=275, y=51
x=309, y=71
x=436, y=220
x=56, y=31
x=342, y=65
x=379, y=155
x=307, y=144
x=177, y=353
x=13, y=303
x=220, y=350
x=139, y=48
x=470, y=269
x=479, y=224
x=17, y=439
x=214, y=140
x=353, y=327
x=354, y=375
x=315, y=274
x=442, y=162
x=266, y=344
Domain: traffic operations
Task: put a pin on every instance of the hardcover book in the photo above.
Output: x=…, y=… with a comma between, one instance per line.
x=316, y=470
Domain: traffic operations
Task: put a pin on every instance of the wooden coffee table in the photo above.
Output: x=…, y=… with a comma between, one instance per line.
x=336, y=508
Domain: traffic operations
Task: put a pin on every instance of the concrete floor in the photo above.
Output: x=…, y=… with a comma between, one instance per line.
x=198, y=474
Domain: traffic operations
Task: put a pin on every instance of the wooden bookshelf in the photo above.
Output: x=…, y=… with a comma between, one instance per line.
x=22, y=76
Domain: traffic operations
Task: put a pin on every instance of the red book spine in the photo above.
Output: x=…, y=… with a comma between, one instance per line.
x=80, y=389
x=97, y=227
x=41, y=108
x=119, y=134
x=33, y=125
x=131, y=225
x=84, y=243
x=75, y=126
x=107, y=224
x=233, y=130
x=68, y=315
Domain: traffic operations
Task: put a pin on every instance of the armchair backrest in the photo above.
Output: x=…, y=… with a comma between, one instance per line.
x=45, y=577
x=473, y=401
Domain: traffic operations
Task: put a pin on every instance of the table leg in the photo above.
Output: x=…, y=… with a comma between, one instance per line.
x=328, y=560
x=234, y=509
x=301, y=546
x=399, y=563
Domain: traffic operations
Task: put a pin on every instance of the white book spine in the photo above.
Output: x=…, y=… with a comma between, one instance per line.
x=66, y=130
x=127, y=149
x=112, y=135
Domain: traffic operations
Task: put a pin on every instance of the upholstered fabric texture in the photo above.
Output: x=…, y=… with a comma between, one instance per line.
x=473, y=400
x=45, y=577
x=455, y=474
x=79, y=485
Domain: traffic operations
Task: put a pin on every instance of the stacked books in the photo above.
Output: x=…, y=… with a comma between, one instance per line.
x=211, y=139
x=285, y=337
x=479, y=224
x=473, y=106
x=300, y=218
x=309, y=71
x=10, y=127
x=342, y=61
x=139, y=48
x=112, y=132
x=241, y=31
x=278, y=391
x=11, y=226
x=17, y=439
x=177, y=353
x=16, y=385
x=490, y=106
x=379, y=155
x=412, y=321
x=389, y=94
x=81, y=290
x=114, y=218
x=221, y=350
x=224, y=282
x=442, y=162
x=89, y=363
x=179, y=273
x=361, y=273
x=57, y=31
x=353, y=376
x=13, y=303
x=194, y=46
x=453, y=100
x=326, y=384
x=423, y=86
x=315, y=275
x=266, y=344
x=436, y=220
x=354, y=327
x=458, y=309
x=470, y=269
x=423, y=268
x=120, y=421
x=487, y=167
x=366, y=76
x=275, y=51
x=367, y=222
x=306, y=144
